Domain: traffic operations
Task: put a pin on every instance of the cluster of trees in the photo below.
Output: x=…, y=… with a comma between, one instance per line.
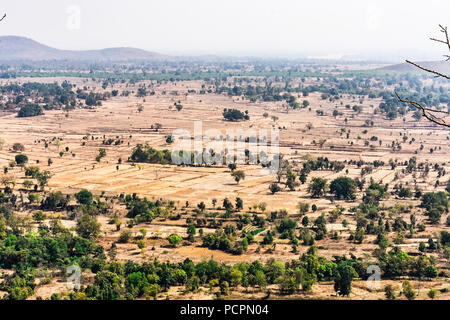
x=131, y=280
x=145, y=153
x=235, y=115
x=49, y=95
x=435, y=203
x=30, y=110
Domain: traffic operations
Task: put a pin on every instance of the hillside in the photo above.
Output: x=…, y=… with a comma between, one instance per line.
x=440, y=66
x=20, y=48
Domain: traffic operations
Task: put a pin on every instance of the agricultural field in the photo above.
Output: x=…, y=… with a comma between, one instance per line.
x=363, y=180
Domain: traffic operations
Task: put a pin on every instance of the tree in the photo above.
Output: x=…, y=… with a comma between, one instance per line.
x=434, y=115
x=239, y=204
x=305, y=221
x=343, y=279
x=359, y=235
x=408, y=291
x=8, y=181
x=201, y=206
x=143, y=232
x=238, y=175
x=18, y=147
x=191, y=231
x=30, y=110
x=21, y=159
x=235, y=115
x=101, y=154
x=343, y=187
x=43, y=178
x=268, y=238
x=125, y=236
x=170, y=139
x=27, y=184
x=227, y=204
x=109, y=285
x=374, y=193
x=303, y=207
x=318, y=187
x=88, y=227
x=39, y=216
x=389, y=292
x=175, y=240
x=432, y=294
x=84, y=197
x=274, y=188
x=405, y=193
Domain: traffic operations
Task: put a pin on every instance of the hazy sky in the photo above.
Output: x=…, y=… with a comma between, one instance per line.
x=238, y=27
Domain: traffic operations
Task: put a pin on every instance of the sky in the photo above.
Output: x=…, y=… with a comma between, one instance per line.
x=385, y=29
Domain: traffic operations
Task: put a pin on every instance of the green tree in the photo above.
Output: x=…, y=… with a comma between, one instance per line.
x=191, y=231
x=318, y=187
x=88, y=227
x=389, y=292
x=343, y=188
x=84, y=197
x=343, y=279
x=175, y=240
x=274, y=188
x=21, y=159
x=408, y=291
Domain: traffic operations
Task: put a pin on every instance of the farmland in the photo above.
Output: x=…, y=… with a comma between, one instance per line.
x=332, y=123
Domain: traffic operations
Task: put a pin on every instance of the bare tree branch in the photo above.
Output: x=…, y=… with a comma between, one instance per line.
x=447, y=39
x=434, y=115
x=438, y=74
x=428, y=112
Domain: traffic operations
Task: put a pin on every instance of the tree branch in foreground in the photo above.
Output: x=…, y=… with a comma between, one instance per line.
x=436, y=116
x=428, y=112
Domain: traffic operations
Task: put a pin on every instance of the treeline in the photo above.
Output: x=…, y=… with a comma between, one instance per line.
x=32, y=98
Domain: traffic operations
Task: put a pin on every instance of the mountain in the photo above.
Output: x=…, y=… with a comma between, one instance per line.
x=20, y=48
x=439, y=66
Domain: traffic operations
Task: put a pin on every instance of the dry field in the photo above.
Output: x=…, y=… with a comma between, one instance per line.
x=119, y=117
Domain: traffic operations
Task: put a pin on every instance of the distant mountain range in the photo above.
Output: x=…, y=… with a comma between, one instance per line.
x=13, y=48
x=440, y=66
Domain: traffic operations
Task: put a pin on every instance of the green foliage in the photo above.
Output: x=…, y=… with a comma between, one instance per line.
x=235, y=115
x=408, y=291
x=84, y=197
x=374, y=194
x=175, y=239
x=318, y=187
x=343, y=278
x=274, y=188
x=145, y=153
x=30, y=110
x=343, y=188
x=88, y=227
x=54, y=201
x=21, y=159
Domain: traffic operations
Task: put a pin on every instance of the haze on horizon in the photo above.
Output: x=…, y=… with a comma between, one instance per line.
x=382, y=29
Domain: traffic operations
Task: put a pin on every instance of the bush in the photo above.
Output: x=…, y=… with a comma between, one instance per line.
x=125, y=236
